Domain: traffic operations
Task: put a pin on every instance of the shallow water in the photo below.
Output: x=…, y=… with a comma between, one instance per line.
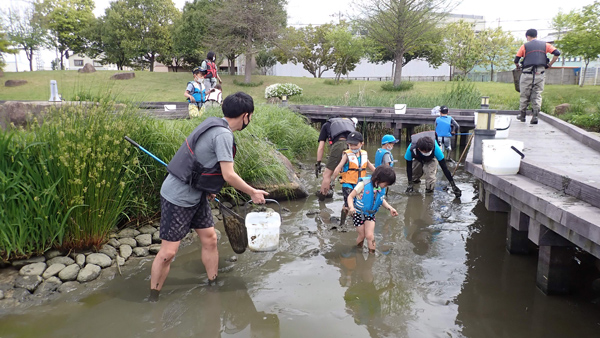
x=441, y=270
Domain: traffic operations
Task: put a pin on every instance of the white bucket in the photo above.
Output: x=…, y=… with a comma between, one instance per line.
x=263, y=230
x=502, y=125
x=499, y=158
x=400, y=108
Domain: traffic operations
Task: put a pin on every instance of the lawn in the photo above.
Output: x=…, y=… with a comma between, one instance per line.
x=148, y=86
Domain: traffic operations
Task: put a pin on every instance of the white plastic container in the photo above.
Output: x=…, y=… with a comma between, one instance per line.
x=499, y=158
x=502, y=125
x=400, y=108
x=263, y=230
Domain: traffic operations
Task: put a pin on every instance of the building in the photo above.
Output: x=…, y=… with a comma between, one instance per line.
x=77, y=61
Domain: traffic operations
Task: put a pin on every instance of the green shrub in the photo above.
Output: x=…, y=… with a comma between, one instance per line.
x=403, y=86
x=337, y=83
x=249, y=84
x=282, y=89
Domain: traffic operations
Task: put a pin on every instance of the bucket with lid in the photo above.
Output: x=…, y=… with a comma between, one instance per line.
x=502, y=157
x=263, y=225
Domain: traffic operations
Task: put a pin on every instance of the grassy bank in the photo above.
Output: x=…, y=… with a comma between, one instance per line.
x=68, y=182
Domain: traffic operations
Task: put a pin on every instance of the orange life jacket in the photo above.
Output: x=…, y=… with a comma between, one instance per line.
x=353, y=169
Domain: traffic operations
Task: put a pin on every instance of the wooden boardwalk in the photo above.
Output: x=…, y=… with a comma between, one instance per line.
x=554, y=200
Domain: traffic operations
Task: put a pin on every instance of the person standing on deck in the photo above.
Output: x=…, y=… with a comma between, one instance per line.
x=532, y=78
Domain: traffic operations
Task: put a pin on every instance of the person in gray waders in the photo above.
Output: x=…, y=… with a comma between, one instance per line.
x=533, y=67
x=197, y=172
x=422, y=157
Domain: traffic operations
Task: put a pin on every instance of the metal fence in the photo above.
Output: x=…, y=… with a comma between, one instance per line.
x=591, y=76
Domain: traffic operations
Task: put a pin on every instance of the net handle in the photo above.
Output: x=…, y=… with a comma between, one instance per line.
x=267, y=200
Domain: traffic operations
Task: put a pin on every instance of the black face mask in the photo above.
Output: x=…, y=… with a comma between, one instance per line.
x=244, y=124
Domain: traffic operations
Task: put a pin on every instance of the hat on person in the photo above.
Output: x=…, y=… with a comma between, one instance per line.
x=355, y=120
x=197, y=70
x=388, y=139
x=444, y=110
x=354, y=138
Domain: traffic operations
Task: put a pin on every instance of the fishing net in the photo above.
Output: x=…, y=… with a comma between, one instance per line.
x=235, y=229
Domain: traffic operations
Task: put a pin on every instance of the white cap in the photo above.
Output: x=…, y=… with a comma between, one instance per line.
x=355, y=120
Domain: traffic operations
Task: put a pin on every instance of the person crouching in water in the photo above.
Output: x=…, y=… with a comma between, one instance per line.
x=353, y=166
x=365, y=200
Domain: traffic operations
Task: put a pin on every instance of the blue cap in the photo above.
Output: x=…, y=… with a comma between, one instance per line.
x=388, y=139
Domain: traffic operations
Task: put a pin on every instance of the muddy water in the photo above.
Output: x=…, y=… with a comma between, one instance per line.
x=441, y=270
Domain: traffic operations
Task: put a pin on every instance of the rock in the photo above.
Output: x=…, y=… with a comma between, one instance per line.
x=120, y=260
x=22, y=262
x=53, y=270
x=108, y=250
x=127, y=233
x=89, y=273
x=69, y=273
x=80, y=260
x=48, y=286
x=128, y=241
x=88, y=68
x=334, y=219
x=232, y=259
x=147, y=229
x=19, y=294
x=218, y=234
x=14, y=83
x=122, y=76
x=313, y=212
x=28, y=282
x=310, y=253
x=35, y=269
x=1, y=294
x=154, y=249
x=125, y=251
x=68, y=287
x=293, y=189
x=141, y=251
x=227, y=205
x=51, y=254
x=62, y=260
x=114, y=243
x=99, y=259
x=156, y=237
x=143, y=240
x=562, y=109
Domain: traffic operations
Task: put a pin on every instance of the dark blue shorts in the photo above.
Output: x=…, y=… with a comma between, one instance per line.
x=176, y=222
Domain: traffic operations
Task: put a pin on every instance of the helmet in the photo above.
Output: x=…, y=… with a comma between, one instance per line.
x=197, y=70
x=444, y=110
x=388, y=139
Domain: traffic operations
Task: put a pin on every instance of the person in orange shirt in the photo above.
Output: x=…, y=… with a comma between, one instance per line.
x=532, y=78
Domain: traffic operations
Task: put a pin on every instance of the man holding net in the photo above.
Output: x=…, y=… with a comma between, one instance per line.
x=199, y=169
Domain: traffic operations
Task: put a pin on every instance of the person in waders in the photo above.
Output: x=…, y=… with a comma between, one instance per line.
x=365, y=200
x=195, y=92
x=212, y=75
x=334, y=132
x=422, y=157
x=384, y=156
x=445, y=128
x=197, y=172
x=533, y=68
x=352, y=166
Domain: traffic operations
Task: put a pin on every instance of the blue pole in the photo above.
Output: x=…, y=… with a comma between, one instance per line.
x=144, y=150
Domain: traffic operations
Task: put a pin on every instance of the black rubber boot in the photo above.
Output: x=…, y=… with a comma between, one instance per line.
x=534, y=119
x=521, y=116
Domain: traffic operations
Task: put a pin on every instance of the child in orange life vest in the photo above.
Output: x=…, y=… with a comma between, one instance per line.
x=365, y=200
x=353, y=166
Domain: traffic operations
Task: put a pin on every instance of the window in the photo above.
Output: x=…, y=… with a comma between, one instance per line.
x=579, y=59
x=78, y=62
x=97, y=63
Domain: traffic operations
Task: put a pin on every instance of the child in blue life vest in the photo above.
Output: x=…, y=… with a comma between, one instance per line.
x=384, y=156
x=445, y=128
x=352, y=167
x=195, y=92
x=365, y=200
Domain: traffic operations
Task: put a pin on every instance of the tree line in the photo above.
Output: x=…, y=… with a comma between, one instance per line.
x=136, y=33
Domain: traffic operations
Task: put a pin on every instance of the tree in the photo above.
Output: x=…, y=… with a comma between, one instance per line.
x=309, y=46
x=252, y=23
x=497, y=49
x=24, y=29
x=66, y=20
x=348, y=49
x=400, y=26
x=561, y=23
x=463, y=48
x=582, y=37
x=265, y=59
x=5, y=47
x=192, y=31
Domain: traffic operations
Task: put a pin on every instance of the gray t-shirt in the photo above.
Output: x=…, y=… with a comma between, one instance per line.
x=215, y=145
x=387, y=159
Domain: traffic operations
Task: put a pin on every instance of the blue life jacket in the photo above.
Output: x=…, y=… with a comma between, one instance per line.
x=371, y=200
x=379, y=157
x=443, y=126
x=199, y=93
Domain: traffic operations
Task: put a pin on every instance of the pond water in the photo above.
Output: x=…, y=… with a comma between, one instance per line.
x=441, y=270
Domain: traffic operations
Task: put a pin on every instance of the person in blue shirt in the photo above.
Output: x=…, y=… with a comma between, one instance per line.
x=195, y=93
x=422, y=156
x=384, y=156
x=445, y=128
